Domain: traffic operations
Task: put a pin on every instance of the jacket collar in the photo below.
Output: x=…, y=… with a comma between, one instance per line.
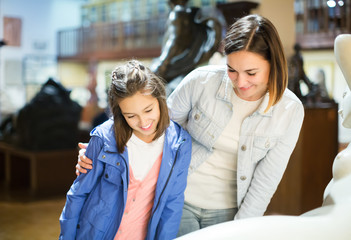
x=225, y=92
x=110, y=144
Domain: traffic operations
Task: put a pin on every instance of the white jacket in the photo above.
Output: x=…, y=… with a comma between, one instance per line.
x=202, y=105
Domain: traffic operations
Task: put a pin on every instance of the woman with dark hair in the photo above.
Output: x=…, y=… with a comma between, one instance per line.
x=244, y=123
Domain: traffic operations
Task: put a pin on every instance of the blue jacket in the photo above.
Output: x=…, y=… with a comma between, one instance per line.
x=96, y=200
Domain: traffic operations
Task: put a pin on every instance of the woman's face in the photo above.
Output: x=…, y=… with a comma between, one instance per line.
x=142, y=113
x=249, y=73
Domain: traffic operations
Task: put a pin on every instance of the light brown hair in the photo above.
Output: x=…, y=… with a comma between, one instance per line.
x=127, y=80
x=257, y=34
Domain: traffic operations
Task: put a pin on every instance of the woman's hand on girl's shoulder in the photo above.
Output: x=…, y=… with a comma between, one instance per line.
x=83, y=162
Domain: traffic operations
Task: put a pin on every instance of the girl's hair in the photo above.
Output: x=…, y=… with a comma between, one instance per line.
x=126, y=81
x=257, y=34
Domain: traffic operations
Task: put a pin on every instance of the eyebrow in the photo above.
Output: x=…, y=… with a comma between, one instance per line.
x=229, y=66
x=143, y=109
x=247, y=70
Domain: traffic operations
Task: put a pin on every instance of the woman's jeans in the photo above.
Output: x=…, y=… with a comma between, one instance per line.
x=195, y=218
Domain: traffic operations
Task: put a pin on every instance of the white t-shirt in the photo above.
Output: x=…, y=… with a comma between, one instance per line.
x=142, y=155
x=213, y=184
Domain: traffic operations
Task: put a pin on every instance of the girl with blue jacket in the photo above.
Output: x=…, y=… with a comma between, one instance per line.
x=141, y=160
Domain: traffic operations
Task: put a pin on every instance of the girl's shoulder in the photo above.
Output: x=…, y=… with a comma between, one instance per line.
x=104, y=129
x=106, y=133
x=176, y=136
x=177, y=129
x=177, y=133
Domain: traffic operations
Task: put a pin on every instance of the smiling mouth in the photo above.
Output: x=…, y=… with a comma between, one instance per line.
x=245, y=88
x=147, y=127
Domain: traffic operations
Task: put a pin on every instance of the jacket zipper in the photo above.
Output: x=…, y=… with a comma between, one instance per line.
x=169, y=176
x=125, y=162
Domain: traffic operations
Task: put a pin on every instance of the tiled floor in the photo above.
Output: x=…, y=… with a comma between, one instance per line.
x=31, y=219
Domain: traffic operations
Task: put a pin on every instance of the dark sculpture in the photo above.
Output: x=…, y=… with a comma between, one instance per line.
x=49, y=121
x=317, y=94
x=192, y=36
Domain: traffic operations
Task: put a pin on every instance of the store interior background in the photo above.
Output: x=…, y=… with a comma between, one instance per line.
x=35, y=56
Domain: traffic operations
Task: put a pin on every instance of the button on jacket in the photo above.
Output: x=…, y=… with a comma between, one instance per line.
x=202, y=105
x=96, y=200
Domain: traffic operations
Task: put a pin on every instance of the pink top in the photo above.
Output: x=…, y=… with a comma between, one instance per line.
x=140, y=200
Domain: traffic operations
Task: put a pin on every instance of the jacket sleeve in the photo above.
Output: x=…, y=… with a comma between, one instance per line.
x=181, y=100
x=79, y=192
x=172, y=212
x=269, y=171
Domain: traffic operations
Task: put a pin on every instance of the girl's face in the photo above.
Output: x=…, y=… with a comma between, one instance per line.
x=249, y=73
x=142, y=113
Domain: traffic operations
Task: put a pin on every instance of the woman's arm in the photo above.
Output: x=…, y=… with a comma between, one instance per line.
x=181, y=100
x=269, y=171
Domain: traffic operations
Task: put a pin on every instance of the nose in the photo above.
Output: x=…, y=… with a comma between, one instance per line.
x=143, y=121
x=240, y=81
